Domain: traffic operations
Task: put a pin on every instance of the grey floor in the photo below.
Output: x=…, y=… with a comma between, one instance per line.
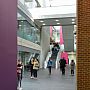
x=45, y=82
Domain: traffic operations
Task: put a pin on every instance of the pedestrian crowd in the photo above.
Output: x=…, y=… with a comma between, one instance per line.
x=35, y=65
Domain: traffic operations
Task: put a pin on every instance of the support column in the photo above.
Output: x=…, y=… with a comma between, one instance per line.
x=45, y=44
x=83, y=45
x=8, y=44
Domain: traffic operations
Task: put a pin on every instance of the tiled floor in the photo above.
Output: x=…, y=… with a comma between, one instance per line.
x=54, y=82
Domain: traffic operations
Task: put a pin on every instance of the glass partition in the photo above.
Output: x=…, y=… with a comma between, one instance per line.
x=27, y=31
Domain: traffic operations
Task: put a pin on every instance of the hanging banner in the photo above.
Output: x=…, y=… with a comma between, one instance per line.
x=51, y=31
x=61, y=36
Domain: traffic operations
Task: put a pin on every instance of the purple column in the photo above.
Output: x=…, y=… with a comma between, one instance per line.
x=8, y=44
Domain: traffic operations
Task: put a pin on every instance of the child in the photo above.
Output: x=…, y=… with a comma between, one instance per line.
x=72, y=65
x=49, y=65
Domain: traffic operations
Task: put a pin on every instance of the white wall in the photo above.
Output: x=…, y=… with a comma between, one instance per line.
x=45, y=43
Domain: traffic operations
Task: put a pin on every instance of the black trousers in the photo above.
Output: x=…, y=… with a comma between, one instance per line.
x=63, y=70
x=31, y=70
x=72, y=72
x=35, y=73
x=49, y=68
x=21, y=74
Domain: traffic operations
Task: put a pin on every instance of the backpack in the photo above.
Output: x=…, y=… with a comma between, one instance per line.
x=49, y=63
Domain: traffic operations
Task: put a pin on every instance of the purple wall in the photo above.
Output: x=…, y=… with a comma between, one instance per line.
x=8, y=43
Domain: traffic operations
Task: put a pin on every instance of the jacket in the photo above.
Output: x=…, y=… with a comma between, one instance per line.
x=36, y=65
x=49, y=63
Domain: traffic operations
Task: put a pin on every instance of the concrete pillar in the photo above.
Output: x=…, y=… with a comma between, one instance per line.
x=45, y=43
x=8, y=43
x=83, y=45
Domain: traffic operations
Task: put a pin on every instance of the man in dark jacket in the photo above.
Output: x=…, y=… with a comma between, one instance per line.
x=62, y=65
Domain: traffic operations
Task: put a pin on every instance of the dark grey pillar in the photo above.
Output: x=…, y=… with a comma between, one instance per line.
x=8, y=43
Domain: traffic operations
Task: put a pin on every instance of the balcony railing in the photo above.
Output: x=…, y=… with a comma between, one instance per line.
x=31, y=38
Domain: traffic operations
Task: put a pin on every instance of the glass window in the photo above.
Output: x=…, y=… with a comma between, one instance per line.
x=27, y=31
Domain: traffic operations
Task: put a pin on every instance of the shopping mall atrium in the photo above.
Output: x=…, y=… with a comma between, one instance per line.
x=45, y=30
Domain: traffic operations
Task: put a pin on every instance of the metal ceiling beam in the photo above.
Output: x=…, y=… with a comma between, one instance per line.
x=38, y=4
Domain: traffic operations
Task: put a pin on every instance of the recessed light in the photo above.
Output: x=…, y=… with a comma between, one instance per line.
x=20, y=25
x=41, y=21
x=21, y=21
x=56, y=20
x=43, y=24
x=58, y=23
x=73, y=19
x=73, y=22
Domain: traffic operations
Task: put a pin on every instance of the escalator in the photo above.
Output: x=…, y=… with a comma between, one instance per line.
x=55, y=51
x=53, y=54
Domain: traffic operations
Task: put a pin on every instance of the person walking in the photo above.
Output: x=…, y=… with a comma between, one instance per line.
x=35, y=68
x=31, y=66
x=49, y=65
x=19, y=73
x=72, y=66
x=62, y=65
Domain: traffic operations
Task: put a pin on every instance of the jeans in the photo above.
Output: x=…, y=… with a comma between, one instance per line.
x=35, y=73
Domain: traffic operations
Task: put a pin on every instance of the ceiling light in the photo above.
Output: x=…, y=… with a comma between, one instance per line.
x=43, y=24
x=73, y=19
x=58, y=23
x=73, y=22
x=20, y=25
x=56, y=20
x=21, y=21
x=41, y=21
